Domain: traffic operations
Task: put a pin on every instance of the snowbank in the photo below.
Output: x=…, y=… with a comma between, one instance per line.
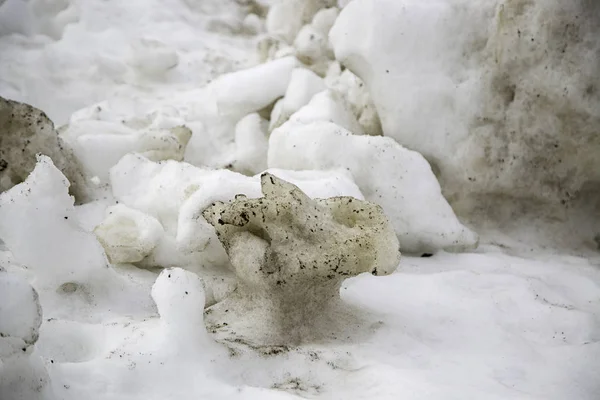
x=500, y=96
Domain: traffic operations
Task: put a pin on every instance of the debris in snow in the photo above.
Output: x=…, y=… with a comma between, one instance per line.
x=290, y=255
x=399, y=180
x=25, y=132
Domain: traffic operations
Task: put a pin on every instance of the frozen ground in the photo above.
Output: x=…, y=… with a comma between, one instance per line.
x=512, y=314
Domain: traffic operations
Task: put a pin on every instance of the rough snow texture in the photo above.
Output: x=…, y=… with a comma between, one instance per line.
x=341, y=98
x=176, y=193
x=25, y=377
x=500, y=96
x=328, y=106
x=290, y=255
x=42, y=205
x=286, y=18
x=300, y=28
x=128, y=235
x=243, y=92
x=22, y=375
x=26, y=131
x=354, y=92
x=251, y=144
x=20, y=315
x=214, y=114
x=397, y=179
x=510, y=320
x=218, y=117
x=95, y=52
x=180, y=298
x=304, y=84
x=40, y=228
x=100, y=144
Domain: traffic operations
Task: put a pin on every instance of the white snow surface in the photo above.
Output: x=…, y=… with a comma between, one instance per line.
x=513, y=317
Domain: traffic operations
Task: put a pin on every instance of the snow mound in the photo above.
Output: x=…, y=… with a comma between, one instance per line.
x=290, y=255
x=500, y=96
x=399, y=180
x=40, y=228
x=160, y=214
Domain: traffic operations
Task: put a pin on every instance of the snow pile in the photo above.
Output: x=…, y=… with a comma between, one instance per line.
x=38, y=17
x=252, y=89
x=397, y=179
x=328, y=106
x=101, y=144
x=220, y=120
x=218, y=126
x=290, y=255
x=250, y=145
x=99, y=51
x=42, y=232
x=286, y=18
x=38, y=228
x=158, y=221
x=238, y=211
x=500, y=96
x=346, y=101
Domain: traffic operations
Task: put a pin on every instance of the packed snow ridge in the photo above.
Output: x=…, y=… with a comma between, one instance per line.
x=209, y=199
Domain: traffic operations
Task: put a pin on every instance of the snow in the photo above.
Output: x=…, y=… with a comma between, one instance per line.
x=128, y=235
x=468, y=128
x=21, y=315
x=251, y=144
x=496, y=94
x=375, y=161
x=243, y=92
x=174, y=194
x=304, y=84
x=90, y=62
x=328, y=106
x=101, y=144
x=287, y=285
